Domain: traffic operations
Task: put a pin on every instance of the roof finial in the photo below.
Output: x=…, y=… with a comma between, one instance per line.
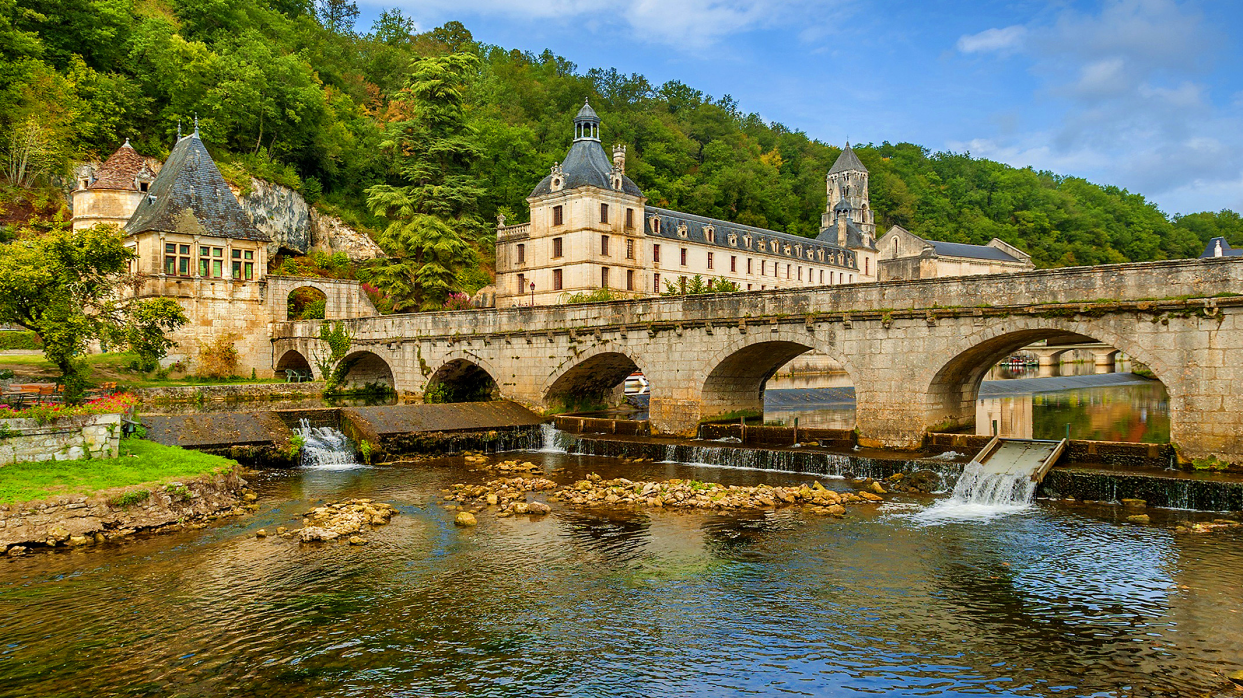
x=126, y=145
x=196, y=124
x=178, y=129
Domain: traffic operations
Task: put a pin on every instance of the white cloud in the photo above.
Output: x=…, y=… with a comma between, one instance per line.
x=682, y=24
x=1128, y=82
x=1004, y=40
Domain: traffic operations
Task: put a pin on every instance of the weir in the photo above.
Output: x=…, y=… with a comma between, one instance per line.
x=326, y=448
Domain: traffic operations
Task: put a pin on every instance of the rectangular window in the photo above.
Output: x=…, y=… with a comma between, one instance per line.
x=748, y=287
x=557, y=218
x=763, y=267
x=522, y=253
x=556, y=247
x=630, y=218
x=656, y=283
x=788, y=271
x=604, y=277
x=800, y=273
x=170, y=259
x=656, y=254
x=522, y=284
x=236, y=270
x=867, y=266
x=217, y=268
x=630, y=249
x=683, y=256
x=748, y=266
x=604, y=213
x=250, y=271
x=709, y=260
x=821, y=276
x=630, y=279
x=556, y=279
x=604, y=245
x=733, y=263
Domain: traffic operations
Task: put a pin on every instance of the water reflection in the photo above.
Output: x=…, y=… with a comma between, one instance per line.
x=1134, y=413
x=607, y=602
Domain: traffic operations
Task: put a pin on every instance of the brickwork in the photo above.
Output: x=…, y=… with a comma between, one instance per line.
x=74, y=438
x=916, y=351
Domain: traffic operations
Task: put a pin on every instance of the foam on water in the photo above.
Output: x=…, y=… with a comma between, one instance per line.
x=551, y=439
x=980, y=496
x=325, y=448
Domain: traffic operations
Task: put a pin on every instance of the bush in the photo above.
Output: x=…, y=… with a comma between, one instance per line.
x=218, y=358
x=20, y=339
x=117, y=403
x=457, y=301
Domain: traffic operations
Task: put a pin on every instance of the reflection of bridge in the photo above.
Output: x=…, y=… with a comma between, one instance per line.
x=1050, y=354
x=916, y=351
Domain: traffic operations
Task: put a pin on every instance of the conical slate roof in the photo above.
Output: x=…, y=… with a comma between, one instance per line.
x=587, y=113
x=847, y=162
x=586, y=165
x=189, y=196
x=122, y=170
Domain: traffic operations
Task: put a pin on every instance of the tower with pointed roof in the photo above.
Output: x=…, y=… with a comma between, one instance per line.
x=111, y=193
x=847, y=185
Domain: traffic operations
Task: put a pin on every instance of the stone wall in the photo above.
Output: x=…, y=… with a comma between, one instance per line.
x=916, y=351
x=73, y=438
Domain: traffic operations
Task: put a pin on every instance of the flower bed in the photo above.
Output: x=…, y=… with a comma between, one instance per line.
x=43, y=413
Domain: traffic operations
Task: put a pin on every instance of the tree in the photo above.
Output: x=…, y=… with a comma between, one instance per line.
x=337, y=16
x=335, y=340
x=432, y=209
x=66, y=285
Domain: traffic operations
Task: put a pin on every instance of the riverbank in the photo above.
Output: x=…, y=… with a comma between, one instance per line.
x=148, y=487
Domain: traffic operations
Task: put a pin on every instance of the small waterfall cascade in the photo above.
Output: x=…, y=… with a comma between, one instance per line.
x=992, y=489
x=325, y=448
x=552, y=439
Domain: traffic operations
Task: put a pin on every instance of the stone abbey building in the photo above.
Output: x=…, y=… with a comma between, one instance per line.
x=591, y=228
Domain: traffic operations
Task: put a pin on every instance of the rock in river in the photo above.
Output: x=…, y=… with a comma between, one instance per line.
x=465, y=518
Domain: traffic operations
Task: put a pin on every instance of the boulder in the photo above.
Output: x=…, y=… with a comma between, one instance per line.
x=1138, y=518
x=465, y=518
x=538, y=508
x=331, y=234
x=926, y=481
x=1134, y=503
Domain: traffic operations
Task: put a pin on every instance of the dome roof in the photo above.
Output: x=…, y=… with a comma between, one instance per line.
x=587, y=113
x=586, y=165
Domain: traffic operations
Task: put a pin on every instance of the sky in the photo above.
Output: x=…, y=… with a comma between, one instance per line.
x=1142, y=94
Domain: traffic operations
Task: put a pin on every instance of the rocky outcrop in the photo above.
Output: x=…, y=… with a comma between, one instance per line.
x=113, y=514
x=331, y=234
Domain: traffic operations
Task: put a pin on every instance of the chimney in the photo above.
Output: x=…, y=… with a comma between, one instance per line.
x=619, y=158
x=841, y=231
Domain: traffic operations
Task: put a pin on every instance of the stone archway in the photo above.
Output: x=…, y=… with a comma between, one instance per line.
x=294, y=360
x=953, y=387
x=592, y=382
x=461, y=380
x=306, y=303
x=365, y=370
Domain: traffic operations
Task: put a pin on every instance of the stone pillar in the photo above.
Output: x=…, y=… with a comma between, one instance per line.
x=1104, y=360
x=670, y=416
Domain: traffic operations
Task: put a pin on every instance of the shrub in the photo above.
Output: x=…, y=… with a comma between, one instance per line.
x=20, y=339
x=117, y=403
x=218, y=358
x=130, y=498
x=599, y=295
x=457, y=301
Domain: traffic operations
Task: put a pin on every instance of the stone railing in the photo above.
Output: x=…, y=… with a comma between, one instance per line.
x=71, y=438
x=509, y=233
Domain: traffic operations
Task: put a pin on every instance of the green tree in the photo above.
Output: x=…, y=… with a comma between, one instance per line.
x=67, y=286
x=432, y=207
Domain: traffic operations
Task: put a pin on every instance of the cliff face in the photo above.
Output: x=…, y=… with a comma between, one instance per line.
x=294, y=226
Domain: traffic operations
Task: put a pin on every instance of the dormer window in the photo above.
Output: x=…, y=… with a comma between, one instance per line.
x=682, y=230
x=747, y=241
x=733, y=240
x=820, y=255
x=786, y=250
x=656, y=225
x=710, y=233
x=763, y=246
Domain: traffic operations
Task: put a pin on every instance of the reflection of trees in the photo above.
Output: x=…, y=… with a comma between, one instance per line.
x=1136, y=413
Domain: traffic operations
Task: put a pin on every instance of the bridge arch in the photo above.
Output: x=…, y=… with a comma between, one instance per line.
x=954, y=378
x=306, y=302
x=365, y=369
x=732, y=379
x=591, y=378
x=462, y=378
x=295, y=360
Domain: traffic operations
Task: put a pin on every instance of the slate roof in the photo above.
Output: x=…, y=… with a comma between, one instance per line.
x=671, y=220
x=1226, y=249
x=958, y=249
x=122, y=170
x=854, y=236
x=587, y=113
x=586, y=165
x=189, y=196
x=847, y=162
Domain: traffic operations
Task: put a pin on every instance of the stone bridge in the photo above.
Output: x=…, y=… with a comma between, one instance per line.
x=916, y=351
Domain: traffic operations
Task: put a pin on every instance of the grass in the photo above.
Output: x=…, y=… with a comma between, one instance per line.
x=112, y=367
x=140, y=463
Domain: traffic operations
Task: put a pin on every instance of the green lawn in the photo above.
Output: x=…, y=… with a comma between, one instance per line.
x=141, y=462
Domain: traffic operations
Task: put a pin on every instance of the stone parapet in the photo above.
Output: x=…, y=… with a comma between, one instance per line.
x=72, y=438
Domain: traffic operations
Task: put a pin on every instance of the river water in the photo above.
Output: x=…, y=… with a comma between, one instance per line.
x=1052, y=599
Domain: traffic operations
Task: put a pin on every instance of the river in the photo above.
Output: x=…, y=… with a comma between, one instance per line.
x=1057, y=599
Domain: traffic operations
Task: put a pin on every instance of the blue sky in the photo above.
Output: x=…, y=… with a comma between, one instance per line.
x=1142, y=94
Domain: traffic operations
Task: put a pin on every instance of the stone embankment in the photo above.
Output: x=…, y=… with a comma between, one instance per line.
x=110, y=515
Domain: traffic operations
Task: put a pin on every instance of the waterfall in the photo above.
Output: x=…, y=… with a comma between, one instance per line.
x=982, y=495
x=325, y=448
x=551, y=439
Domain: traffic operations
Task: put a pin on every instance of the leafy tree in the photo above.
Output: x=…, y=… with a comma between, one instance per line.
x=67, y=285
x=433, y=208
x=337, y=16
x=335, y=341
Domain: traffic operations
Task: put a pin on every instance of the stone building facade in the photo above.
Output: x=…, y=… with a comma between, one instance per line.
x=904, y=256
x=591, y=228
x=193, y=242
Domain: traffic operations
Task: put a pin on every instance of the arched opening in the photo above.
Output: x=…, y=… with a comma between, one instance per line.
x=813, y=388
x=293, y=366
x=306, y=303
x=1003, y=387
x=461, y=381
x=600, y=382
x=735, y=387
x=367, y=372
